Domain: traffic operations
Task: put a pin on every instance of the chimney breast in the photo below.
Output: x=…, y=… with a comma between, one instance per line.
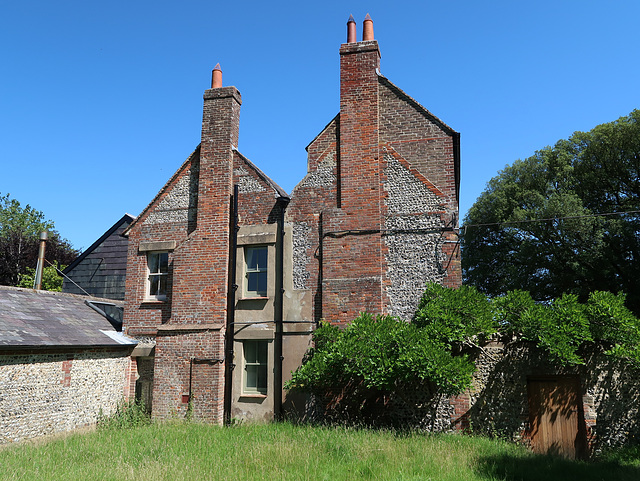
x=216, y=77
x=351, y=30
x=367, y=28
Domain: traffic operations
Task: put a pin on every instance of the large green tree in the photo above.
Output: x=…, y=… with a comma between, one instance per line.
x=20, y=229
x=551, y=224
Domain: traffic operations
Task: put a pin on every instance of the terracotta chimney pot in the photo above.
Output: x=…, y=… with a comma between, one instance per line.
x=216, y=77
x=367, y=28
x=351, y=30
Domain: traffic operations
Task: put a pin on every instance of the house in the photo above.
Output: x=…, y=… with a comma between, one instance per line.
x=62, y=363
x=227, y=275
x=101, y=269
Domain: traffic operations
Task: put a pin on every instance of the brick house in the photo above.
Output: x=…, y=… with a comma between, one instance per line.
x=227, y=275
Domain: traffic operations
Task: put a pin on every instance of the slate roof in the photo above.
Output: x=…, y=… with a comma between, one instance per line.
x=127, y=218
x=100, y=271
x=43, y=319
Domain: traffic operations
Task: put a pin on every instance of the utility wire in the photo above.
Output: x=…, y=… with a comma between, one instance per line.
x=67, y=277
x=464, y=227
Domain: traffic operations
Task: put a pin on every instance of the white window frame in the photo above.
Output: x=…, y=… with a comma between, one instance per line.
x=257, y=270
x=159, y=274
x=258, y=365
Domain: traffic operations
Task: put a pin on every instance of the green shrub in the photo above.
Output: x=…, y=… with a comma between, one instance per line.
x=361, y=365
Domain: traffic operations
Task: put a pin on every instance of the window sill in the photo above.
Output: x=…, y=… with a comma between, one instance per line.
x=253, y=396
x=154, y=301
x=254, y=298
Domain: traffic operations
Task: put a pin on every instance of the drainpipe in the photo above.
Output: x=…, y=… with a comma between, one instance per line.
x=279, y=314
x=37, y=282
x=231, y=309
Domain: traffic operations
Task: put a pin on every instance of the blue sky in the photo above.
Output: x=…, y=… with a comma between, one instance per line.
x=100, y=102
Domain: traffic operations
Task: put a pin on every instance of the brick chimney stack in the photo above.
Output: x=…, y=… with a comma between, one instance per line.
x=200, y=279
x=359, y=65
x=359, y=190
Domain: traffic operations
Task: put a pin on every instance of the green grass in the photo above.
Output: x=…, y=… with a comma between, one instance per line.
x=191, y=451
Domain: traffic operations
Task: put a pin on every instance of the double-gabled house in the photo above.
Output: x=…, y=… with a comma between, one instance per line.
x=228, y=275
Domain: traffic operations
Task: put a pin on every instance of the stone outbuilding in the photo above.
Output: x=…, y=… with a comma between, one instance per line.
x=62, y=363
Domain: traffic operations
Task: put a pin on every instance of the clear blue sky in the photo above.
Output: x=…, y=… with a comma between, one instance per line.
x=100, y=102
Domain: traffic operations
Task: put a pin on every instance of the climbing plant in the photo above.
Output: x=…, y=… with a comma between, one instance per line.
x=375, y=355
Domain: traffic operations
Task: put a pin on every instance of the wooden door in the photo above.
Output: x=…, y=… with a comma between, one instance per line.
x=556, y=416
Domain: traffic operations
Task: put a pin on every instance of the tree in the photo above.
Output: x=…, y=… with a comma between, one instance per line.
x=550, y=224
x=20, y=229
x=51, y=280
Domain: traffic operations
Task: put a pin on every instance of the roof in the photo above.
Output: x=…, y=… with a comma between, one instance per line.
x=125, y=218
x=44, y=319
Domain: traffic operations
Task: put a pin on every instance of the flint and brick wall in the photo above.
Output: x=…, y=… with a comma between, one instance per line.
x=192, y=213
x=49, y=393
x=375, y=217
x=497, y=403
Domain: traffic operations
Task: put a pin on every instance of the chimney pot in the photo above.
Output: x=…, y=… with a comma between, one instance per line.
x=216, y=77
x=351, y=30
x=367, y=28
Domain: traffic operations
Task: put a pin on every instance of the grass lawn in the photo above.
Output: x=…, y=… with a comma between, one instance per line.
x=191, y=451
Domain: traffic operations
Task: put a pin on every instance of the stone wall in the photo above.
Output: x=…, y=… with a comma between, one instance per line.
x=413, y=238
x=49, y=393
x=497, y=405
x=498, y=402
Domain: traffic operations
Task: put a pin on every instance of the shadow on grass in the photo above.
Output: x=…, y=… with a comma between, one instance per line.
x=549, y=468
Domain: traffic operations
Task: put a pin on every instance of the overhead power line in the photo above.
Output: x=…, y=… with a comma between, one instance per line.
x=515, y=222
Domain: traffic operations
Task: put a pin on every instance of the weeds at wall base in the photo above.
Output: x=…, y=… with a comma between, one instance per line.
x=129, y=414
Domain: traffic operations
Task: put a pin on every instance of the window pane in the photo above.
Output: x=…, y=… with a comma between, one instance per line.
x=261, y=348
x=256, y=258
x=250, y=352
x=252, y=378
x=163, y=262
x=154, y=285
x=261, y=381
x=152, y=260
x=261, y=278
x=162, y=288
x=252, y=282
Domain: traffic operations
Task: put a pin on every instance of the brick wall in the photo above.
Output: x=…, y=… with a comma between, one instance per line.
x=192, y=213
x=189, y=361
x=375, y=217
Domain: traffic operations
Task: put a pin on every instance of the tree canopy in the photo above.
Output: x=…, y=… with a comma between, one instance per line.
x=20, y=229
x=554, y=223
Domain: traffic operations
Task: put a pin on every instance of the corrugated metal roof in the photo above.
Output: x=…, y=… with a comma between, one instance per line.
x=30, y=318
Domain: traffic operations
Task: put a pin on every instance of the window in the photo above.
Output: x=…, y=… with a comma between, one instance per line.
x=158, y=265
x=256, y=271
x=255, y=367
